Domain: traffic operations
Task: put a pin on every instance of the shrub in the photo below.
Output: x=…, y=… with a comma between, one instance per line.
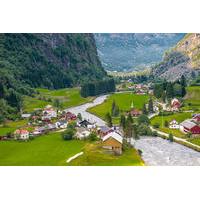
x=171, y=138
x=156, y=125
x=166, y=123
x=93, y=137
x=68, y=134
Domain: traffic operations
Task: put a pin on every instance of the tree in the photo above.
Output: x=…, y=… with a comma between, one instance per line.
x=169, y=90
x=177, y=89
x=183, y=91
x=114, y=109
x=108, y=119
x=68, y=134
x=93, y=136
x=150, y=105
x=79, y=116
x=166, y=123
x=158, y=90
x=129, y=118
x=57, y=104
x=144, y=109
x=143, y=119
x=183, y=81
x=164, y=97
x=171, y=138
x=123, y=121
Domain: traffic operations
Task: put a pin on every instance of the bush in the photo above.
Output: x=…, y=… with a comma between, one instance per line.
x=143, y=119
x=154, y=133
x=156, y=125
x=171, y=138
x=93, y=137
x=166, y=123
x=68, y=134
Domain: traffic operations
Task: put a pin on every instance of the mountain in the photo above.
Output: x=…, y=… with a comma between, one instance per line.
x=44, y=60
x=133, y=51
x=50, y=60
x=183, y=59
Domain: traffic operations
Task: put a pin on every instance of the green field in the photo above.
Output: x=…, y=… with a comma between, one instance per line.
x=123, y=100
x=192, y=98
x=68, y=96
x=194, y=141
x=94, y=155
x=11, y=126
x=179, y=117
x=47, y=150
x=51, y=150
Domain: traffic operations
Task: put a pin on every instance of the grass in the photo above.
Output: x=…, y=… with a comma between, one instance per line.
x=123, y=100
x=179, y=117
x=12, y=126
x=195, y=141
x=192, y=98
x=68, y=96
x=94, y=155
x=47, y=150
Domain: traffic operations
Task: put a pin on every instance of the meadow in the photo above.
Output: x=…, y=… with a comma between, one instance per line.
x=67, y=96
x=123, y=100
x=52, y=150
x=94, y=155
x=179, y=117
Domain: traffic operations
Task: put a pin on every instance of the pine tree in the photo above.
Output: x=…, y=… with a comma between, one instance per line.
x=183, y=91
x=144, y=110
x=123, y=121
x=169, y=90
x=183, y=81
x=108, y=119
x=163, y=97
x=150, y=105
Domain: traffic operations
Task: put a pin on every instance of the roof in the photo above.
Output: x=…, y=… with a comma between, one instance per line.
x=21, y=131
x=188, y=124
x=104, y=129
x=114, y=135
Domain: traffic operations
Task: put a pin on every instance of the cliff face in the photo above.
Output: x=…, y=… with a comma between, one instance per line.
x=183, y=59
x=50, y=60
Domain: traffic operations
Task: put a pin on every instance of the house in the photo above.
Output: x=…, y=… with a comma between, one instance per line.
x=174, y=124
x=113, y=141
x=21, y=134
x=196, y=117
x=82, y=133
x=86, y=124
x=175, y=104
x=26, y=115
x=51, y=127
x=135, y=112
x=61, y=124
x=39, y=130
x=188, y=126
x=103, y=130
x=49, y=111
x=155, y=108
x=69, y=116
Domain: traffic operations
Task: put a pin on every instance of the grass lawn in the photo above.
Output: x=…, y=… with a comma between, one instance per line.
x=68, y=96
x=195, y=141
x=47, y=150
x=94, y=155
x=192, y=98
x=12, y=126
x=179, y=117
x=123, y=100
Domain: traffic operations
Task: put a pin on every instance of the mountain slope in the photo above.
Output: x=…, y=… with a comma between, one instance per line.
x=183, y=59
x=133, y=51
x=50, y=60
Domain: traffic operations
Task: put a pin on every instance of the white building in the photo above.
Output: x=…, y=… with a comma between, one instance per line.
x=174, y=124
x=21, y=134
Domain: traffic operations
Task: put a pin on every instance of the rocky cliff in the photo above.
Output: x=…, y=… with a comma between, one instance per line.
x=183, y=59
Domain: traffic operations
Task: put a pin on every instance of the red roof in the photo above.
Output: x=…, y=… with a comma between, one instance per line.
x=21, y=131
x=135, y=112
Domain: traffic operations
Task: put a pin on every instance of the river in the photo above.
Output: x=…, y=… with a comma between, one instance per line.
x=155, y=150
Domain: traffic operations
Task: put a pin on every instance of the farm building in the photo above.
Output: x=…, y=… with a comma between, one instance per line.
x=189, y=126
x=103, y=130
x=196, y=117
x=69, y=116
x=175, y=104
x=135, y=112
x=113, y=141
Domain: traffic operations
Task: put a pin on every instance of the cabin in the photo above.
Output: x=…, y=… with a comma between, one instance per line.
x=21, y=134
x=113, y=141
x=175, y=104
x=86, y=124
x=61, y=124
x=174, y=124
x=135, y=112
x=188, y=126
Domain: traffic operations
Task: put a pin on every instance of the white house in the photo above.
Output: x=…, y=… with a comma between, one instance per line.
x=61, y=124
x=174, y=124
x=82, y=134
x=21, y=134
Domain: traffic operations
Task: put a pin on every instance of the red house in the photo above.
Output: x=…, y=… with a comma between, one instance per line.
x=190, y=127
x=69, y=116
